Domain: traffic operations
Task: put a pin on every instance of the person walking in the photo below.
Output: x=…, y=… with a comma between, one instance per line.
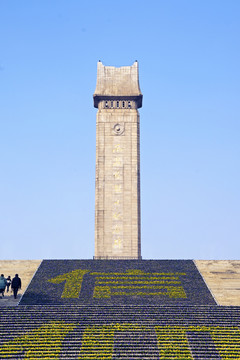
x=16, y=285
x=3, y=283
x=8, y=282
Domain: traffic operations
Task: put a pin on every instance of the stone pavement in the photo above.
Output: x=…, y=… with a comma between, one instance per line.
x=25, y=269
x=8, y=299
x=223, y=279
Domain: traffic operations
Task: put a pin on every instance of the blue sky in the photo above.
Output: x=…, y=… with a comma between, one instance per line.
x=189, y=55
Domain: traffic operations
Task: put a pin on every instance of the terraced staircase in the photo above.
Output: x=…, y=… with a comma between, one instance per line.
x=147, y=324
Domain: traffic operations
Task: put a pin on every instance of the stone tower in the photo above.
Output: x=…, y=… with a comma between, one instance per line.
x=117, y=198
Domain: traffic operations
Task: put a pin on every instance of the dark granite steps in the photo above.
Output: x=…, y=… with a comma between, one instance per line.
x=121, y=332
x=72, y=310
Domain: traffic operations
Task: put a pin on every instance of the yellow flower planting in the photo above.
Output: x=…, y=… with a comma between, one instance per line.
x=43, y=343
x=73, y=283
x=130, y=283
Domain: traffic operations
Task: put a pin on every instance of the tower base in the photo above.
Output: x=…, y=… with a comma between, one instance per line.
x=116, y=258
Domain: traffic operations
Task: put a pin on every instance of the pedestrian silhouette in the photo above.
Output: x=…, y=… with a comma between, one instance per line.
x=8, y=282
x=16, y=285
x=3, y=283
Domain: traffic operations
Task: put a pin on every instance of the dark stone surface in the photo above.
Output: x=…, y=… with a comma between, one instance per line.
x=202, y=345
x=139, y=337
x=40, y=291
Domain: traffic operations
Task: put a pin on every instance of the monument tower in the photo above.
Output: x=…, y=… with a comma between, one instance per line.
x=117, y=193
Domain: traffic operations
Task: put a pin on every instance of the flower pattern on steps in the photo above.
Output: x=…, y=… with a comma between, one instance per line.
x=117, y=282
x=119, y=310
x=79, y=339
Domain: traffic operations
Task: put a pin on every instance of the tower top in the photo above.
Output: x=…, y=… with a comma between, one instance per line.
x=117, y=83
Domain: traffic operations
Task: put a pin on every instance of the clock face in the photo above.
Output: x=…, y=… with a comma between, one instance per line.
x=118, y=129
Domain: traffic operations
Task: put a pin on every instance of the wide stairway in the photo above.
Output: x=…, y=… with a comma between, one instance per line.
x=129, y=310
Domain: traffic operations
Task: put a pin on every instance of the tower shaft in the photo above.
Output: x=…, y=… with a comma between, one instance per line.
x=117, y=192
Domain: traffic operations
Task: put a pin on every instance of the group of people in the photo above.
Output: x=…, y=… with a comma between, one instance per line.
x=15, y=284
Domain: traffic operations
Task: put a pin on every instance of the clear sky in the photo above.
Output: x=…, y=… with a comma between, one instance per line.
x=189, y=56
